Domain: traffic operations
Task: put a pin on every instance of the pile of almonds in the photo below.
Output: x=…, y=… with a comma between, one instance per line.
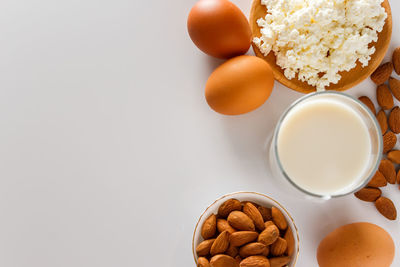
x=390, y=126
x=244, y=234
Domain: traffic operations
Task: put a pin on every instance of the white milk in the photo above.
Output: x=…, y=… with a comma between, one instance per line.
x=324, y=147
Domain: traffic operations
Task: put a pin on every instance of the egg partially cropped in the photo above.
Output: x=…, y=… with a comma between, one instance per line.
x=219, y=28
x=356, y=245
x=239, y=85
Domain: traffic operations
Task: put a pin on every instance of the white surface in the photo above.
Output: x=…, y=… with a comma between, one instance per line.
x=108, y=150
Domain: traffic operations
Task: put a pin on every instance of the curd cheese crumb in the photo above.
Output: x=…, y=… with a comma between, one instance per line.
x=317, y=39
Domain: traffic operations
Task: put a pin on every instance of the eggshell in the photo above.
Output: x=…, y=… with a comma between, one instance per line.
x=356, y=245
x=219, y=28
x=240, y=85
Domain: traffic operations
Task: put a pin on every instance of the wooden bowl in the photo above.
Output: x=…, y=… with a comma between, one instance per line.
x=349, y=78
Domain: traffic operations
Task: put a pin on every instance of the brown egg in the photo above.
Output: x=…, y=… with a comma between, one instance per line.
x=239, y=85
x=219, y=28
x=356, y=245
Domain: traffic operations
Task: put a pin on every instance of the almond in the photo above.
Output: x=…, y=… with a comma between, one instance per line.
x=382, y=73
x=384, y=97
x=252, y=249
x=232, y=251
x=398, y=177
x=265, y=213
x=229, y=206
x=396, y=60
x=251, y=202
x=368, y=194
x=203, y=249
x=278, y=218
x=279, y=247
x=394, y=120
x=395, y=87
x=250, y=210
x=269, y=235
x=394, y=156
x=389, y=141
x=223, y=261
x=239, y=220
x=386, y=207
x=387, y=169
x=382, y=120
x=240, y=238
x=220, y=244
x=290, y=241
x=223, y=225
x=367, y=101
x=203, y=262
x=378, y=180
x=255, y=261
x=209, y=227
x=279, y=261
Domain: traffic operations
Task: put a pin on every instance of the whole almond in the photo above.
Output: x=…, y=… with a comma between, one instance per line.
x=255, y=261
x=209, y=227
x=394, y=120
x=396, y=60
x=203, y=249
x=367, y=101
x=220, y=244
x=265, y=213
x=232, y=251
x=223, y=261
x=389, y=141
x=394, y=156
x=223, y=225
x=387, y=169
x=279, y=261
x=279, y=247
x=229, y=206
x=203, y=262
x=368, y=194
x=378, y=180
x=382, y=73
x=252, y=249
x=386, y=207
x=250, y=210
x=382, y=120
x=278, y=218
x=384, y=97
x=239, y=220
x=240, y=238
x=269, y=235
x=394, y=85
x=290, y=241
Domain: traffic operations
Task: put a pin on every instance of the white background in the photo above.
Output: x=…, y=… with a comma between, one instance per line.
x=108, y=150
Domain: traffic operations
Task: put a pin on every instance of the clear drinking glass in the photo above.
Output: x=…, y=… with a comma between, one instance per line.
x=368, y=119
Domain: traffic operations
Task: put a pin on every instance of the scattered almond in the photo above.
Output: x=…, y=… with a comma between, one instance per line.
x=387, y=169
x=382, y=120
x=223, y=261
x=394, y=156
x=203, y=262
x=367, y=101
x=395, y=87
x=384, y=97
x=265, y=213
x=252, y=249
x=278, y=218
x=255, y=261
x=386, y=207
x=389, y=141
x=242, y=237
x=229, y=206
x=250, y=210
x=368, y=194
x=223, y=225
x=279, y=247
x=396, y=60
x=269, y=235
x=279, y=261
x=382, y=73
x=239, y=220
x=378, y=180
x=232, y=251
x=209, y=227
x=290, y=241
x=203, y=249
x=221, y=244
x=394, y=120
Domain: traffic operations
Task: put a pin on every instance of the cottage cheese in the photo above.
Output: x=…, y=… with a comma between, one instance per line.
x=316, y=39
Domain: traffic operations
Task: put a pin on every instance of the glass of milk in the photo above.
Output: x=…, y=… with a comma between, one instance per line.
x=326, y=144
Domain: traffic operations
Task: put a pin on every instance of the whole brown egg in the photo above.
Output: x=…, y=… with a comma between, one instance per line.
x=219, y=28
